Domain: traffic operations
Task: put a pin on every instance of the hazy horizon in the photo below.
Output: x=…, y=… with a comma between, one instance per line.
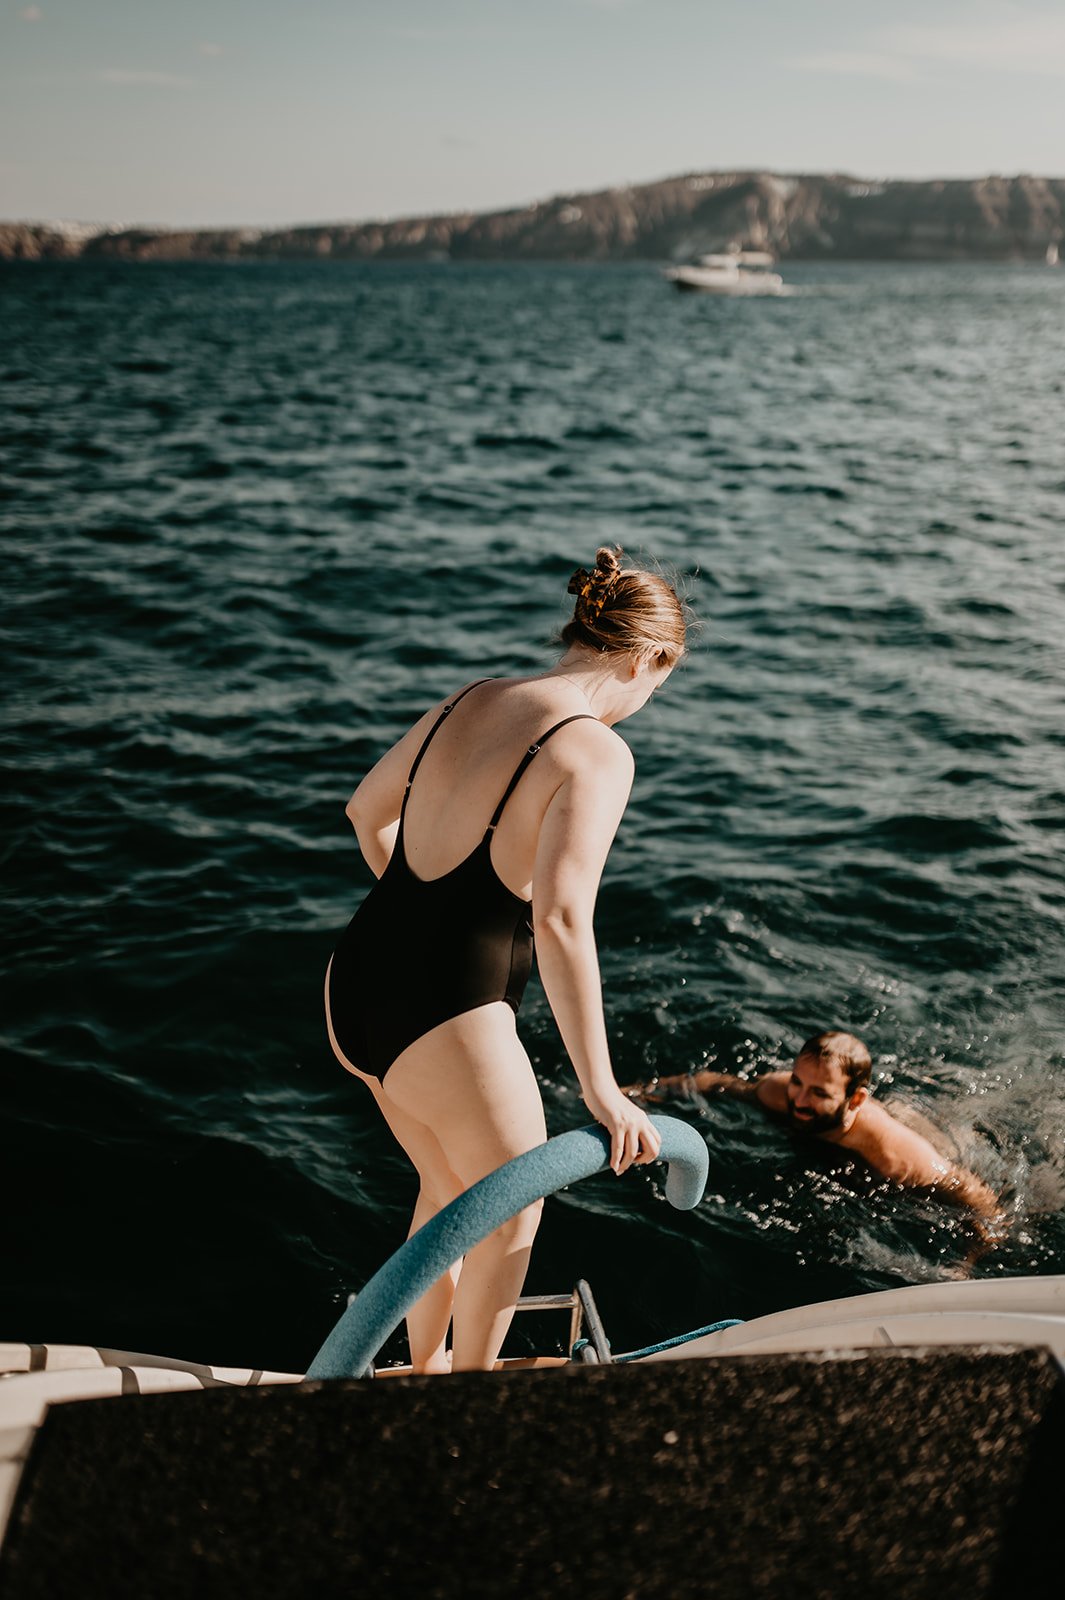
x=268, y=115
x=517, y=205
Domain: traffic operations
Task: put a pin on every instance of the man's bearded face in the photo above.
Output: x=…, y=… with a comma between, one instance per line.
x=817, y=1097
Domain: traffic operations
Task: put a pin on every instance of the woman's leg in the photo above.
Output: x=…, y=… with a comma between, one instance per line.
x=429, y=1319
x=471, y=1082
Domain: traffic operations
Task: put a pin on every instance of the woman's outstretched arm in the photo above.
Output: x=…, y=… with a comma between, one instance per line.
x=575, y=837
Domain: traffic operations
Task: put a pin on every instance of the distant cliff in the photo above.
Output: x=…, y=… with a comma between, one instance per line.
x=802, y=218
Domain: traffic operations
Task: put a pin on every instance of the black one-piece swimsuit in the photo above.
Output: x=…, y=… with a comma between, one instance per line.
x=419, y=952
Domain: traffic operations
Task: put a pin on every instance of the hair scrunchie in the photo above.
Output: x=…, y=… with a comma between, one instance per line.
x=592, y=590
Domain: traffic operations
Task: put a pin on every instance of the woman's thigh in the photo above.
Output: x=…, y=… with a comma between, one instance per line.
x=416, y=1139
x=471, y=1083
x=422, y=1147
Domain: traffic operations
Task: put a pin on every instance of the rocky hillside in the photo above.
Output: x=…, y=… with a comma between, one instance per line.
x=806, y=217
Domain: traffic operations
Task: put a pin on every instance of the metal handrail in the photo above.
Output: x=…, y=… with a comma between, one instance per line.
x=557, y=1302
x=598, y=1345
x=380, y=1307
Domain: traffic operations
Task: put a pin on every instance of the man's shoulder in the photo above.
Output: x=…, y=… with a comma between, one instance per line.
x=896, y=1150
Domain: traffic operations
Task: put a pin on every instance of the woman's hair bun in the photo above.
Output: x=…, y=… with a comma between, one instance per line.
x=605, y=572
x=593, y=588
x=625, y=609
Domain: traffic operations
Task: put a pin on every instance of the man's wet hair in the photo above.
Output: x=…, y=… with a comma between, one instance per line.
x=843, y=1050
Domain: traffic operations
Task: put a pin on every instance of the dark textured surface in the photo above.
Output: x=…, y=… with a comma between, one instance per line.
x=891, y=1474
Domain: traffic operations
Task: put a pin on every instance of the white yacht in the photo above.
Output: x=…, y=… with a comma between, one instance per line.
x=741, y=272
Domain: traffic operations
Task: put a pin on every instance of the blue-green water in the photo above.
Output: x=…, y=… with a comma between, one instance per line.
x=256, y=520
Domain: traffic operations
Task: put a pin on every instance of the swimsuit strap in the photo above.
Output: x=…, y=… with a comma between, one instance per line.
x=427, y=741
x=581, y=716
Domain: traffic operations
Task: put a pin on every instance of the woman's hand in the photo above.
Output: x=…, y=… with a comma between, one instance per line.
x=634, y=1139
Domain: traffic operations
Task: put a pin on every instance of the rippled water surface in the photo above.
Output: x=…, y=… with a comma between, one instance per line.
x=256, y=520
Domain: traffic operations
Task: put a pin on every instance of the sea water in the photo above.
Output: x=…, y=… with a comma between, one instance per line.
x=257, y=519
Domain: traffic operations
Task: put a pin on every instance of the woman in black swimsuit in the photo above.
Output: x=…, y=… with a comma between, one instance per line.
x=488, y=822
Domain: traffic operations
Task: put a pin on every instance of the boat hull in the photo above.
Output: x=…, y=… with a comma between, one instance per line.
x=708, y=280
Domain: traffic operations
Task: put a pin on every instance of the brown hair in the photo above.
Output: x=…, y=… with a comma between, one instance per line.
x=843, y=1050
x=626, y=609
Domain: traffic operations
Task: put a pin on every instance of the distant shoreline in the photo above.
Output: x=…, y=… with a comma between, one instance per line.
x=796, y=217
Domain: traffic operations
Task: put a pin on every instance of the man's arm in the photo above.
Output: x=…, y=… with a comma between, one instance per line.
x=963, y=1188
x=769, y=1090
x=911, y=1160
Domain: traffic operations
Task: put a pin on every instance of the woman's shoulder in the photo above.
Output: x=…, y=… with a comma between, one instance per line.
x=588, y=746
x=576, y=735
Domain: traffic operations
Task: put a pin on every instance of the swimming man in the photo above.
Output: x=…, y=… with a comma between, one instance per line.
x=826, y=1096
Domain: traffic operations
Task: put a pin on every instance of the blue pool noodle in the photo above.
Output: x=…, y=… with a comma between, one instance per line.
x=381, y=1306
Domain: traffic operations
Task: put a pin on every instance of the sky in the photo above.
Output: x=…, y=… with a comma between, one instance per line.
x=267, y=112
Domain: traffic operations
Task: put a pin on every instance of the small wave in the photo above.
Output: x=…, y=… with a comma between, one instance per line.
x=979, y=606
x=514, y=441
x=599, y=433
x=448, y=499
x=962, y=777
x=363, y=505
x=827, y=491
x=316, y=397
x=919, y=835
x=121, y=532
x=208, y=468
x=90, y=450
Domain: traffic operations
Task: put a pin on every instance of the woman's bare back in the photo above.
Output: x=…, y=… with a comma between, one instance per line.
x=471, y=761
